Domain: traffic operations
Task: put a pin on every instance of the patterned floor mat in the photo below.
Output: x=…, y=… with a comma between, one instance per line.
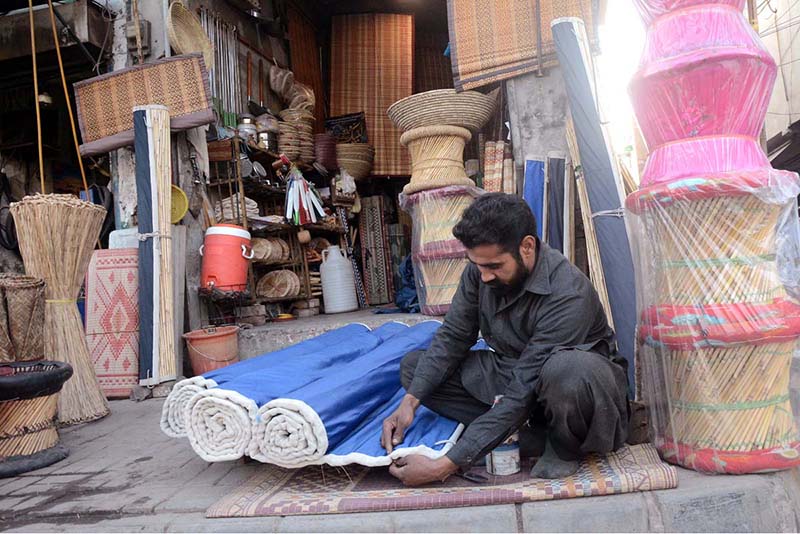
x=329, y=490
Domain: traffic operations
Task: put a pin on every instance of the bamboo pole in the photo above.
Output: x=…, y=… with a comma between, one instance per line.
x=36, y=97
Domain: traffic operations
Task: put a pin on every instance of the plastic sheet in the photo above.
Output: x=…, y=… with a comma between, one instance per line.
x=439, y=258
x=716, y=245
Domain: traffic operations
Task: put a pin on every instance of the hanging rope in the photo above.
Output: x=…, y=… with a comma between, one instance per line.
x=66, y=97
x=36, y=98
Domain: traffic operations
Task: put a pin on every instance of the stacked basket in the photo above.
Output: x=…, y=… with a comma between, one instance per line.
x=717, y=240
x=436, y=127
x=288, y=140
x=303, y=123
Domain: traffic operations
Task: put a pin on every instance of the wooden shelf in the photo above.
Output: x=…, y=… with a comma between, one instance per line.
x=262, y=263
x=265, y=300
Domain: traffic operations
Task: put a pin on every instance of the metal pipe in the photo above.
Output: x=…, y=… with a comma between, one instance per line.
x=75, y=37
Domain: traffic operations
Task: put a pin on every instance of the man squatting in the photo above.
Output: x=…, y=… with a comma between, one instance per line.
x=553, y=356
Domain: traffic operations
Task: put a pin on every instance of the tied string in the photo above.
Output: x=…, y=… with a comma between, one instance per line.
x=149, y=235
x=619, y=212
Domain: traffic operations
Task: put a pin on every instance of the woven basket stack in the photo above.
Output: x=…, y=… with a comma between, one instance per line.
x=715, y=229
x=436, y=126
x=303, y=123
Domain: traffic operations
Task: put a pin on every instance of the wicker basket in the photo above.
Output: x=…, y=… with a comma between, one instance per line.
x=21, y=318
x=437, y=157
x=436, y=212
x=278, y=285
x=186, y=34
x=468, y=109
x=28, y=404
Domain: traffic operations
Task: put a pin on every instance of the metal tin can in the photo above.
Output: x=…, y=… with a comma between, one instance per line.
x=504, y=459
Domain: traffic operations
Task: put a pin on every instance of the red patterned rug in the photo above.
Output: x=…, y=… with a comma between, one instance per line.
x=112, y=319
x=333, y=490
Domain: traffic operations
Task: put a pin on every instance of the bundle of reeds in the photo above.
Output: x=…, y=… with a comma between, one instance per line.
x=726, y=399
x=715, y=250
x=596, y=273
x=56, y=236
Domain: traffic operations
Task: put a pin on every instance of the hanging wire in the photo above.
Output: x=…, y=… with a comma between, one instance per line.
x=66, y=97
x=36, y=98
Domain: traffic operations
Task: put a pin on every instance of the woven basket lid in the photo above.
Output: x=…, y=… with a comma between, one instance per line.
x=186, y=34
x=469, y=109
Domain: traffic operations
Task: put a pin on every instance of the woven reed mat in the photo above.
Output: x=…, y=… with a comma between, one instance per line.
x=330, y=490
x=492, y=41
x=375, y=251
x=372, y=57
x=112, y=319
x=104, y=103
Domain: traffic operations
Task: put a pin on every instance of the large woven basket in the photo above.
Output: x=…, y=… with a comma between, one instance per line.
x=186, y=34
x=468, y=109
x=437, y=157
x=21, y=318
x=28, y=404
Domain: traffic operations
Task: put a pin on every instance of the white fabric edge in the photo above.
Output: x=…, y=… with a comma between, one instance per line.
x=168, y=425
x=339, y=460
x=245, y=403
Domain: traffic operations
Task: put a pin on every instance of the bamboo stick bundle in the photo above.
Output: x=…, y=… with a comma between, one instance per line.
x=56, y=237
x=437, y=277
x=596, y=273
x=437, y=157
x=436, y=212
x=732, y=399
x=157, y=355
x=28, y=426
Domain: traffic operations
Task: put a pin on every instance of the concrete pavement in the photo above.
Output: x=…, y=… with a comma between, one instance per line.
x=124, y=475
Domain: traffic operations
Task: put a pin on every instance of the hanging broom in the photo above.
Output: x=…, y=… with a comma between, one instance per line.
x=56, y=237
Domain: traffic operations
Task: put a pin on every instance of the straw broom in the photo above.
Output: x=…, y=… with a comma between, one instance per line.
x=56, y=237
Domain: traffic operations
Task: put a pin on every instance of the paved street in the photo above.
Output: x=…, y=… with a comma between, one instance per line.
x=123, y=474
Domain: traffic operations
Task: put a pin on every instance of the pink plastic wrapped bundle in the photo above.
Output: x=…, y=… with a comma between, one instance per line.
x=700, y=63
x=716, y=245
x=438, y=258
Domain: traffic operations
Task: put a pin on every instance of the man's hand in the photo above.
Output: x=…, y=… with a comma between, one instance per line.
x=416, y=470
x=394, y=426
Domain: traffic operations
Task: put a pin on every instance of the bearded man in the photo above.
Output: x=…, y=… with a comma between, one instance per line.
x=552, y=354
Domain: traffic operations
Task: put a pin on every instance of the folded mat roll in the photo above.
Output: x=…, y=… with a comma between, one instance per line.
x=215, y=418
x=305, y=356
x=302, y=426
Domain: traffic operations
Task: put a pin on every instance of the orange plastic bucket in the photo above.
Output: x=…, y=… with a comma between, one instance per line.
x=212, y=348
x=226, y=255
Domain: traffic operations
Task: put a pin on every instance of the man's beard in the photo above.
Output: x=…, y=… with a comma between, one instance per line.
x=502, y=288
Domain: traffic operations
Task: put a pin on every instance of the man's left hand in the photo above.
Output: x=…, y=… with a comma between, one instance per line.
x=416, y=470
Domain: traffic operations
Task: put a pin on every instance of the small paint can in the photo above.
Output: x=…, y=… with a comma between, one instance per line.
x=504, y=459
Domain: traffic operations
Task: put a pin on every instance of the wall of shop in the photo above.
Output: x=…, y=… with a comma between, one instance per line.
x=779, y=25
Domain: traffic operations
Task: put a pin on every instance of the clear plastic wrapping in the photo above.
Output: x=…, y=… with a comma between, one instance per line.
x=716, y=245
x=438, y=257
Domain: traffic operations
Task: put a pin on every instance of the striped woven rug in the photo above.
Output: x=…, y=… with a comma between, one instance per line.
x=325, y=490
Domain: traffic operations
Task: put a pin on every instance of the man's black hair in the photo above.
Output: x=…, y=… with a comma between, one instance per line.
x=496, y=219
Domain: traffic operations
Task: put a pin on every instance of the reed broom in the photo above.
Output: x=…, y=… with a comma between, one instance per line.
x=56, y=237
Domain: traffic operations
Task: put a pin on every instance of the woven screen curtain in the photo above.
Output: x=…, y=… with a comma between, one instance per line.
x=372, y=57
x=492, y=41
x=304, y=51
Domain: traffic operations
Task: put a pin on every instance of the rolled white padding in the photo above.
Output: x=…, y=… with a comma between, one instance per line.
x=288, y=433
x=219, y=424
x=172, y=418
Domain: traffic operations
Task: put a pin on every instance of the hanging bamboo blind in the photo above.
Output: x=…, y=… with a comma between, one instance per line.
x=305, y=60
x=371, y=68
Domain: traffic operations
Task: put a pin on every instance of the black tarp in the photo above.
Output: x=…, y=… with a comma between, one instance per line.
x=144, y=213
x=556, y=167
